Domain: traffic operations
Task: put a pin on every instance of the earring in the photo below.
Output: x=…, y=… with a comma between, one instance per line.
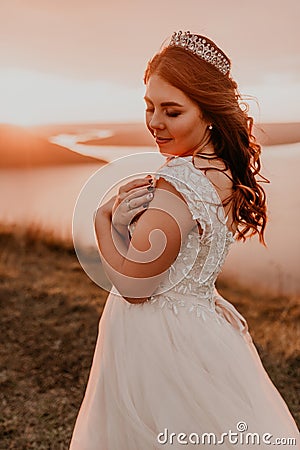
x=210, y=127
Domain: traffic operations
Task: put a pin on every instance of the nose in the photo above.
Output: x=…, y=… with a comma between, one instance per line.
x=156, y=123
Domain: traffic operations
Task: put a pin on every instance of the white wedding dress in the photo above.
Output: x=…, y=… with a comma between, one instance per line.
x=183, y=362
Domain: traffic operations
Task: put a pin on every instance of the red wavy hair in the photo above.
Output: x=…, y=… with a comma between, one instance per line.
x=220, y=102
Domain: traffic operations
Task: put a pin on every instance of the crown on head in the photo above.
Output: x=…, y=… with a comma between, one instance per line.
x=202, y=47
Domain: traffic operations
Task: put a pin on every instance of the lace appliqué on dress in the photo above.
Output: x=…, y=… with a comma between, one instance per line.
x=190, y=280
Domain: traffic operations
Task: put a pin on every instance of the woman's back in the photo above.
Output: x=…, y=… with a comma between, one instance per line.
x=221, y=178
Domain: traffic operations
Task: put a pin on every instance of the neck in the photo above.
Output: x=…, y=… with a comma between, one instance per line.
x=207, y=150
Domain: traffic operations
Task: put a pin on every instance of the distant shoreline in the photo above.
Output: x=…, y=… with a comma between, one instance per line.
x=35, y=146
x=136, y=133
x=135, y=136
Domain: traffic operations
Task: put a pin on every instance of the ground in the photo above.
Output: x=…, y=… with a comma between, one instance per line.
x=49, y=317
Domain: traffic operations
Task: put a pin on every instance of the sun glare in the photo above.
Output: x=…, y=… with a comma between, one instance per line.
x=29, y=98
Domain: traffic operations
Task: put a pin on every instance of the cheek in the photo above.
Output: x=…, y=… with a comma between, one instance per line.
x=188, y=128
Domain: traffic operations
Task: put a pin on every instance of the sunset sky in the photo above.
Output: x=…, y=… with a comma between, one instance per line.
x=83, y=60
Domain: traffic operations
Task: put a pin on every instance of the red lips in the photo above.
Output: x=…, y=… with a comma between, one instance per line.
x=161, y=140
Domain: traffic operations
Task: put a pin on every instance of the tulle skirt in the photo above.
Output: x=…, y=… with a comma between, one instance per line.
x=155, y=373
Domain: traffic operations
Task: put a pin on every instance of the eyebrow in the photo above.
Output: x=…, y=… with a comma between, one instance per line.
x=164, y=103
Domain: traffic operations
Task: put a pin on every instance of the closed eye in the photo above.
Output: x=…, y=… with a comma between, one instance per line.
x=173, y=114
x=168, y=113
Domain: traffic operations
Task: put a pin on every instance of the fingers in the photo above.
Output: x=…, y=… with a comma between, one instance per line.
x=137, y=183
x=138, y=199
x=130, y=207
x=142, y=188
x=135, y=192
x=141, y=192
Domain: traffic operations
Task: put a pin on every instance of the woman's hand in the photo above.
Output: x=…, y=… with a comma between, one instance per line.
x=133, y=198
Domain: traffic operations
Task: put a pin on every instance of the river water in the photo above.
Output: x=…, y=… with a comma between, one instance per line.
x=47, y=197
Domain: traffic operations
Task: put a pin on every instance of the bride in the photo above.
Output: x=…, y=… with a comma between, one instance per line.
x=174, y=362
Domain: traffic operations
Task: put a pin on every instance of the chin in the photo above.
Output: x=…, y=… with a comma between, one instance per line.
x=166, y=152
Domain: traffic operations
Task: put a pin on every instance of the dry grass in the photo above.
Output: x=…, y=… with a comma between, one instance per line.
x=50, y=312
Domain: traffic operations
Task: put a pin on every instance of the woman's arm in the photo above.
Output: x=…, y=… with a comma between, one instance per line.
x=137, y=269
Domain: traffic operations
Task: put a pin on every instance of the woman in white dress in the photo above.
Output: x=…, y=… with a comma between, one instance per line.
x=174, y=364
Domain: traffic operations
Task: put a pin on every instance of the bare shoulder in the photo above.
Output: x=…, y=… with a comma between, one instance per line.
x=167, y=186
x=217, y=173
x=160, y=231
x=167, y=211
x=169, y=200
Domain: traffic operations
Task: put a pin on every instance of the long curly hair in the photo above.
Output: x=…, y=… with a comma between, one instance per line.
x=221, y=105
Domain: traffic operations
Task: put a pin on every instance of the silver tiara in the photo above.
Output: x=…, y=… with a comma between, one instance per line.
x=200, y=46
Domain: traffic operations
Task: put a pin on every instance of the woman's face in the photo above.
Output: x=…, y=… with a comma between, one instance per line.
x=173, y=119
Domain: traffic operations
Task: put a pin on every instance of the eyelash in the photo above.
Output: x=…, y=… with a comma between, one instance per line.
x=169, y=114
x=173, y=114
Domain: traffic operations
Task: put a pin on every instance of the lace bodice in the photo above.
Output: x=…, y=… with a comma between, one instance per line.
x=190, y=280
